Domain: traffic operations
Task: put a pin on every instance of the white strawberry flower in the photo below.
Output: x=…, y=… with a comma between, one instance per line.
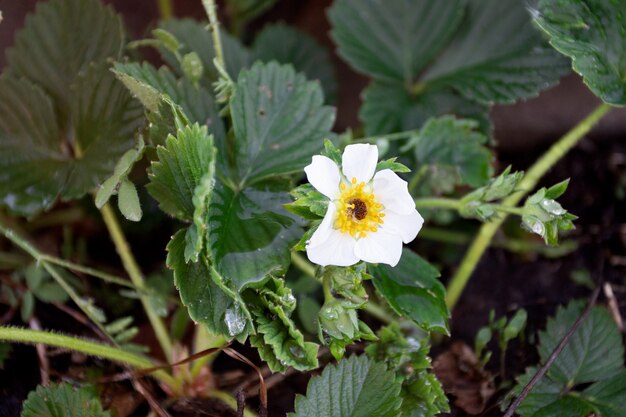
x=369, y=214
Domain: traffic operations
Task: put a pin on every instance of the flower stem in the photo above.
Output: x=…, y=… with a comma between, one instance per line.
x=13, y=334
x=166, y=9
x=302, y=264
x=392, y=136
x=211, y=11
x=528, y=183
x=436, y=202
x=131, y=267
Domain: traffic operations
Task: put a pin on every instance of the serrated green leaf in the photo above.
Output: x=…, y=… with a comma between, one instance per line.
x=197, y=231
x=595, y=351
x=609, y=395
x=278, y=340
x=251, y=233
x=496, y=55
x=594, y=354
x=195, y=37
x=309, y=203
x=46, y=55
x=206, y=302
x=593, y=34
x=412, y=288
x=287, y=45
x=454, y=144
x=128, y=201
x=279, y=121
x=393, y=40
x=148, y=84
x=356, y=386
x=390, y=108
x=63, y=400
x=182, y=164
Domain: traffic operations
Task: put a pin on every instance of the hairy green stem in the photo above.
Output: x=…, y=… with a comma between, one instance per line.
x=132, y=268
x=166, y=9
x=88, y=347
x=113, y=279
x=27, y=247
x=436, y=202
x=392, y=136
x=527, y=184
x=211, y=11
x=417, y=178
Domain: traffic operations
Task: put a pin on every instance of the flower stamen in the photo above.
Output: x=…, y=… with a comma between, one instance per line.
x=358, y=212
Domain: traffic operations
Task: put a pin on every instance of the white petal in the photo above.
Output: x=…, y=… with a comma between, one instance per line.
x=328, y=246
x=379, y=247
x=323, y=174
x=405, y=225
x=393, y=192
x=359, y=161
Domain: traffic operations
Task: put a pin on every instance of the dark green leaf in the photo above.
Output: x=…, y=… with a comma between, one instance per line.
x=182, y=164
x=496, y=55
x=413, y=289
x=356, y=386
x=593, y=34
x=63, y=400
x=595, y=351
x=454, y=144
x=557, y=190
x=251, y=233
x=390, y=108
x=278, y=120
x=206, y=301
x=609, y=395
x=245, y=10
x=395, y=39
x=288, y=45
x=61, y=40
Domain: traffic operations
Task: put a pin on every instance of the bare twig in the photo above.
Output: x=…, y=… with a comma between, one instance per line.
x=613, y=306
x=555, y=353
x=44, y=364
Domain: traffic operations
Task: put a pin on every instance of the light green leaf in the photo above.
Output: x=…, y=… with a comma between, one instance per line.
x=593, y=34
x=496, y=55
x=390, y=108
x=288, y=45
x=251, y=233
x=63, y=400
x=121, y=171
x=594, y=352
x=197, y=232
x=46, y=54
x=448, y=143
x=128, y=201
x=182, y=164
x=412, y=288
x=278, y=120
x=192, y=67
x=309, y=203
x=355, y=387
x=206, y=301
x=395, y=39
x=195, y=37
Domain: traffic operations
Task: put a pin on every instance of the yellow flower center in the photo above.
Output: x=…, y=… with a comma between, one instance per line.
x=358, y=212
